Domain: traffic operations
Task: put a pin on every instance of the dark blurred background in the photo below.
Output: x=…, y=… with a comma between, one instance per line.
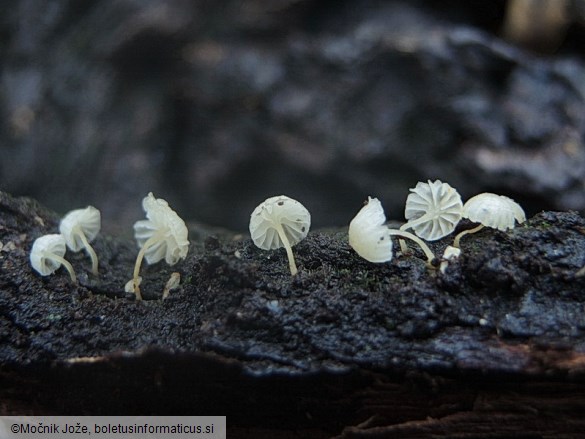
x=217, y=105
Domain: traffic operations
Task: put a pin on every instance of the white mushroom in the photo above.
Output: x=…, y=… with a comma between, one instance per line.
x=449, y=255
x=370, y=238
x=280, y=222
x=79, y=227
x=433, y=210
x=491, y=210
x=46, y=255
x=368, y=235
x=163, y=235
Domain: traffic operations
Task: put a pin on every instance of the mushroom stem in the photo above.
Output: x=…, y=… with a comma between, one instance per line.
x=67, y=266
x=425, y=248
x=416, y=222
x=410, y=224
x=149, y=243
x=90, y=251
x=466, y=232
x=286, y=243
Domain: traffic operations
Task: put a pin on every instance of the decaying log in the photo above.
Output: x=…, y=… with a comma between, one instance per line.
x=494, y=347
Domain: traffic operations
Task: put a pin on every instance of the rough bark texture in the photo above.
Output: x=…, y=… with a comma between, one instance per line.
x=495, y=347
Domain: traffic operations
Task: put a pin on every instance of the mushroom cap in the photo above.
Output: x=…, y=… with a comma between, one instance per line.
x=163, y=221
x=440, y=202
x=42, y=249
x=87, y=220
x=291, y=215
x=492, y=210
x=368, y=235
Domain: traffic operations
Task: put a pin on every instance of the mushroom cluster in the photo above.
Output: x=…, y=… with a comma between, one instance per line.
x=162, y=235
x=433, y=210
x=370, y=238
x=77, y=229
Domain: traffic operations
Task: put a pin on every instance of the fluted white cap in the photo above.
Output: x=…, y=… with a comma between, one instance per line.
x=492, y=210
x=87, y=220
x=279, y=211
x=42, y=251
x=440, y=205
x=163, y=221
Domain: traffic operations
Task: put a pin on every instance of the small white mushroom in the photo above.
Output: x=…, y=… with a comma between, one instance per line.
x=368, y=235
x=130, y=286
x=370, y=238
x=491, y=210
x=79, y=227
x=449, y=255
x=433, y=210
x=46, y=255
x=280, y=222
x=163, y=235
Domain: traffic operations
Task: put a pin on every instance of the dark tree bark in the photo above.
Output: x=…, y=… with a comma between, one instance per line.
x=492, y=348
